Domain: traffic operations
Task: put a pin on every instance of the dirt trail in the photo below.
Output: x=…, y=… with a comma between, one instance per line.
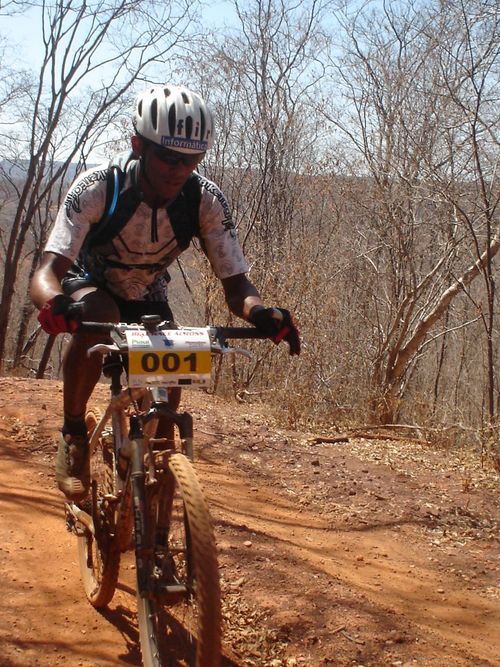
x=366, y=553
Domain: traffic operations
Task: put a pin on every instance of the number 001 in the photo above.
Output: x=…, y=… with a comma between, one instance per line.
x=170, y=362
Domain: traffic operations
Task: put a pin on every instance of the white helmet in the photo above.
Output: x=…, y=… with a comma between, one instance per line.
x=174, y=117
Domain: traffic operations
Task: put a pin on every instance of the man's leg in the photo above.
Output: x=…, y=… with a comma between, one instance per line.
x=80, y=375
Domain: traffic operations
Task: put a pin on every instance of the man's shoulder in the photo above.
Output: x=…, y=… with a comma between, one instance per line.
x=100, y=171
x=87, y=178
x=215, y=211
x=206, y=185
x=87, y=190
x=212, y=193
x=102, y=182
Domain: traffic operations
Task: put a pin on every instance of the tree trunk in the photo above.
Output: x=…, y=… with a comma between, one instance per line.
x=385, y=405
x=47, y=351
x=27, y=311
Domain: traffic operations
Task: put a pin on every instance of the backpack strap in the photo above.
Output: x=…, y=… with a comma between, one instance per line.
x=113, y=186
x=118, y=208
x=121, y=206
x=184, y=212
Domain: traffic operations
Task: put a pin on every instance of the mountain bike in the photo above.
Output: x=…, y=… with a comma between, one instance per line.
x=145, y=494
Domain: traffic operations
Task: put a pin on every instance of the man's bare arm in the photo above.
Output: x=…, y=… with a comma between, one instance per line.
x=241, y=295
x=46, y=283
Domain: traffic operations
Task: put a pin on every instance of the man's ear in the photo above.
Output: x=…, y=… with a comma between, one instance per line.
x=137, y=145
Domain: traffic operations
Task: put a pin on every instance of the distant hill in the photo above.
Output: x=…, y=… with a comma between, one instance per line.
x=17, y=170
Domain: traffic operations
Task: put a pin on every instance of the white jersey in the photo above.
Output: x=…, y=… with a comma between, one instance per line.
x=133, y=264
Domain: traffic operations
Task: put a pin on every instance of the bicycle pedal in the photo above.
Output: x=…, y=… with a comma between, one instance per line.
x=170, y=593
x=78, y=521
x=69, y=519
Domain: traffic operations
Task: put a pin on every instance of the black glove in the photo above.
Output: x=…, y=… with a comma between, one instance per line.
x=59, y=315
x=277, y=324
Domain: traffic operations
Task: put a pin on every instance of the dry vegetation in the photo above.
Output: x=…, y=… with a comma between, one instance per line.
x=365, y=191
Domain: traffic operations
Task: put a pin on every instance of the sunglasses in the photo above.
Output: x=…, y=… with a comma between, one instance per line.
x=174, y=159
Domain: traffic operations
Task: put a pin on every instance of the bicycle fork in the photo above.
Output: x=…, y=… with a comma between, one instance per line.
x=184, y=423
x=137, y=479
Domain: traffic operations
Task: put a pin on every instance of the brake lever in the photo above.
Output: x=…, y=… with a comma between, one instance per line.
x=102, y=348
x=235, y=350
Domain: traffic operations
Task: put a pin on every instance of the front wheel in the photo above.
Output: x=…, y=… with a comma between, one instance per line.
x=180, y=614
x=99, y=555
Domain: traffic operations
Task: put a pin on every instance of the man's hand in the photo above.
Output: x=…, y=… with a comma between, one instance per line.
x=277, y=324
x=55, y=317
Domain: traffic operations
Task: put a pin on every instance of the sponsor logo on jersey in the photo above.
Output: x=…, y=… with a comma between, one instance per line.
x=227, y=221
x=72, y=201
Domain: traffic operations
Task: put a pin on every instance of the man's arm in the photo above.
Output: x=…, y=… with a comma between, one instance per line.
x=46, y=283
x=244, y=301
x=241, y=295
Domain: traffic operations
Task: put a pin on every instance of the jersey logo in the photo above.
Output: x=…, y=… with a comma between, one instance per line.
x=72, y=201
x=227, y=221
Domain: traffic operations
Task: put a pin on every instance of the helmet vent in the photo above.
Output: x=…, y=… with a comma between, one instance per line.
x=154, y=113
x=203, y=124
x=185, y=98
x=166, y=92
x=139, y=108
x=171, y=120
x=189, y=127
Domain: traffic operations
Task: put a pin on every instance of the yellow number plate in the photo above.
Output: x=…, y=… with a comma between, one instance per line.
x=179, y=357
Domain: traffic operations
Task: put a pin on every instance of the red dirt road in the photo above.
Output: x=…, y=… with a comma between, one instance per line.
x=366, y=553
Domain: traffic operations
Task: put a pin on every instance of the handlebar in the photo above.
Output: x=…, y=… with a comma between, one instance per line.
x=239, y=332
x=219, y=332
x=98, y=327
x=218, y=335
x=154, y=323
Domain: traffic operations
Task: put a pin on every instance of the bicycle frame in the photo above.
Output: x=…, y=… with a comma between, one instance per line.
x=138, y=447
x=155, y=491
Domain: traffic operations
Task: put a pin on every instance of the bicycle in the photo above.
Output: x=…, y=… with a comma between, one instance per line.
x=145, y=493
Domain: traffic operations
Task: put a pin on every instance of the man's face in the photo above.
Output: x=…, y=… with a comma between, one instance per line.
x=166, y=171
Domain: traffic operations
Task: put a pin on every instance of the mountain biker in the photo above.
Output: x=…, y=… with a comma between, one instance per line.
x=125, y=276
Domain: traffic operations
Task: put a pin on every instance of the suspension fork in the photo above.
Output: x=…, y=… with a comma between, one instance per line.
x=184, y=423
x=137, y=479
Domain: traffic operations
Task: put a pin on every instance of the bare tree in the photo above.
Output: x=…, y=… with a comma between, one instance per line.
x=405, y=120
x=260, y=78
x=93, y=54
x=469, y=68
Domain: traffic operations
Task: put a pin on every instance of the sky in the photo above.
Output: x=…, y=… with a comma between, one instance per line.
x=24, y=34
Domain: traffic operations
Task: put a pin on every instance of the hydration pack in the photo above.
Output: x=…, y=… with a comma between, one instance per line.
x=120, y=206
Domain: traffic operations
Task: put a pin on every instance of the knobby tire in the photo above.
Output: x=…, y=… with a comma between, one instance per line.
x=183, y=629
x=99, y=555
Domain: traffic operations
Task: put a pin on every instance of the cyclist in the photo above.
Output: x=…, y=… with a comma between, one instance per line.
x=124, y=276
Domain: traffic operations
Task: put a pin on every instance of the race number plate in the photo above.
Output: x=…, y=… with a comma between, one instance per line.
x=172, y=358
